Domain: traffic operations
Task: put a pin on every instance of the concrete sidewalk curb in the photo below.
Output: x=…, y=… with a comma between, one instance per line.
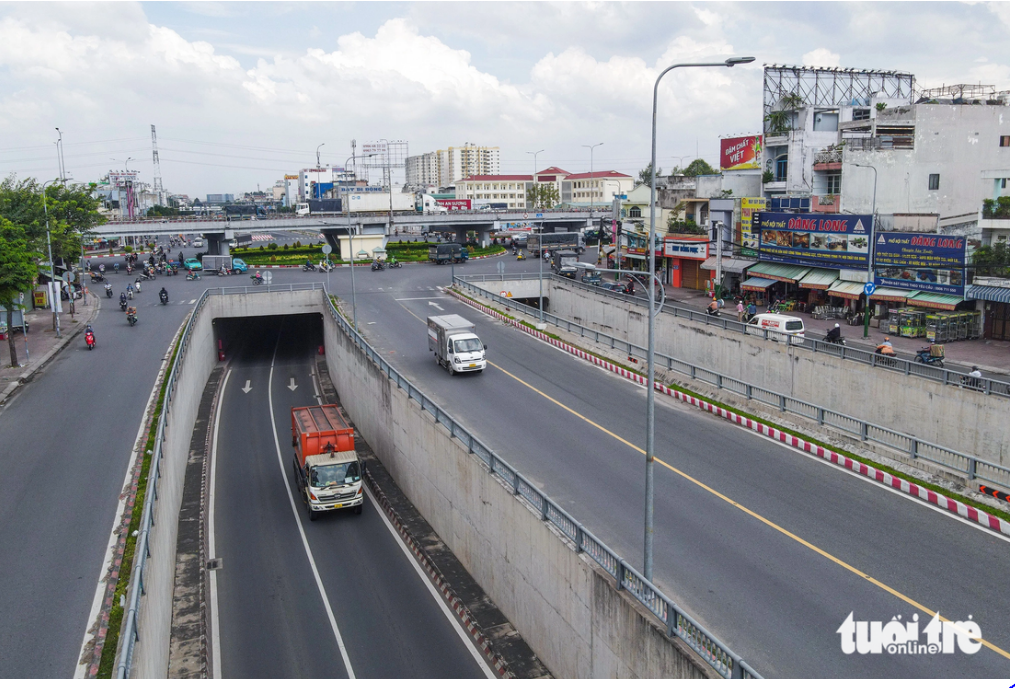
x=464, y=615
x=35, y=366
x=946, y=503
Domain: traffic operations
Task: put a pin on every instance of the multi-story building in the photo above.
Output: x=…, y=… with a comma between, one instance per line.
x=443, y=167
x=219, y=198
x=495, y=188
x=594, y=188
x=422, y=171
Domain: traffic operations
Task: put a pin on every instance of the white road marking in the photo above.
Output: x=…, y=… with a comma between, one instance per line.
x=292, y=384
x=433, y=591
x=299, y=524
x=100, y=588
x=191, y=301
x=422, y=298
x=213, y=591
x=246, y=388
x=431, y=303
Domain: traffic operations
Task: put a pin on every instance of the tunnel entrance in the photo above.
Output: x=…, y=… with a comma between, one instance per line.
x=257, y=339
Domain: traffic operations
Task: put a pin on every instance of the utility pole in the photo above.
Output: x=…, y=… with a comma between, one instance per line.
x=159, y=194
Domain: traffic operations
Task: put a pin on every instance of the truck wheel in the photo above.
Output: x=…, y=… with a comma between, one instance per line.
x=311, y=514
x=451, y=369
x=358, y=509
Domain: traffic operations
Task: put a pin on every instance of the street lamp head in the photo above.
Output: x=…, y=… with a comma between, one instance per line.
x=730, y=62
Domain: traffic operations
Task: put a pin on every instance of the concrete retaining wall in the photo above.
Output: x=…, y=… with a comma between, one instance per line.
x=565, y=606
x=976, y=424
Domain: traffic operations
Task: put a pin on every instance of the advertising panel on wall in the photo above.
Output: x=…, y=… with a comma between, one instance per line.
x=740, y=153
x=455, y=203
x=928, y=262
x=695, y=250
x=748, y=234
x=834, y=241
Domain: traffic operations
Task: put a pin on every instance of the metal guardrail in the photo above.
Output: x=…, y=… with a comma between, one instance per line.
x=142, y=551
x=973, y=467
x=947, y=377
x=679, y=624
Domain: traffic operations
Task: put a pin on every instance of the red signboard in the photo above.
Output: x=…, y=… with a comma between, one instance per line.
x=740, y=153
x=456, y=203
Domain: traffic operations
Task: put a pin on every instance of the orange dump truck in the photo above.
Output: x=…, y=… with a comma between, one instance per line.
x=325, y=465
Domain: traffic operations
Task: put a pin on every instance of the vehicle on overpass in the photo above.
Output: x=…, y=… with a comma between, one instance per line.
x=241, y=241
x=428, y=205
x=442, y=254
x=455, y=344
x=325, y=465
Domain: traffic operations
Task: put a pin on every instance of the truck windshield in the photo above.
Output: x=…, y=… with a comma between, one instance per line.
x=330, y=476
x=464, y=346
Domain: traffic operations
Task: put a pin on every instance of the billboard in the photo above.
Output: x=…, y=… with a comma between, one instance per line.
x=749, y=237
x=740, y=153
x=455, y=203
x=928, y=262
x=833, y=241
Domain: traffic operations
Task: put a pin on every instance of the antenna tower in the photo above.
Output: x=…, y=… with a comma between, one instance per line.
x=159, y=193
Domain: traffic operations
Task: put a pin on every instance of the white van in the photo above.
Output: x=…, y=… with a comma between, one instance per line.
x=781, y=328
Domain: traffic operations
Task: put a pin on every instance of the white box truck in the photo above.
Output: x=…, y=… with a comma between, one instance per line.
x=381, y=202
x=455, y=344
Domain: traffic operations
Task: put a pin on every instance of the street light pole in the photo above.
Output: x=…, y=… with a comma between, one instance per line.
x=540, y=274
x=650, y=357
x=319, y=172
x=535, y=156
x=348, y=229
x=592, y=169
x=870, y=251
x=59, y=155
x=387, y=174
x=54, y=292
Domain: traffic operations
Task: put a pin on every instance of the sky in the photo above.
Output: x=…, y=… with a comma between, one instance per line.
x=241, y=93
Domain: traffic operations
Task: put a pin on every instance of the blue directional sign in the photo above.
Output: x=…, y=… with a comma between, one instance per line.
x=868, y=288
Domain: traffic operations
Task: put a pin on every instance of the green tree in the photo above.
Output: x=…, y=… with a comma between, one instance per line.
x=542, y=196
x=993, y=261
x=699, y=167
x=17, y=273
x=645, y=175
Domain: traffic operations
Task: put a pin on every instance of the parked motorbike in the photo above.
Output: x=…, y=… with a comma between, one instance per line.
x=930, y=356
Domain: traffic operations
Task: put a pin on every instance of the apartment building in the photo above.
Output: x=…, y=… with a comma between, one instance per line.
x=447, y=165
x=495, y=188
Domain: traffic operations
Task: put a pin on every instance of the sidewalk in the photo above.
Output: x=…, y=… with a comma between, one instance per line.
x=43, y=344
x=990, y=355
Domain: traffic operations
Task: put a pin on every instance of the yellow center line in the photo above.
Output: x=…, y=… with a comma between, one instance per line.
x=759, y=517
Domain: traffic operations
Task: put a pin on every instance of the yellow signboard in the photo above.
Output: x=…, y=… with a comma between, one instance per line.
x=749, y=206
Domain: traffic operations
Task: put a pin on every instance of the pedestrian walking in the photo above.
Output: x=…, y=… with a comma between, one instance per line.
x=752, y=310
x=740, y=310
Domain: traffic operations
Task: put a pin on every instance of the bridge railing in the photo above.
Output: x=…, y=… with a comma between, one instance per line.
x=678, y=623
x=972, y=467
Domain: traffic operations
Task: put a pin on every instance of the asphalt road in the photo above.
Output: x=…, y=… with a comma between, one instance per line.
x=67, y=439
x=274, y=622
x=774, y=596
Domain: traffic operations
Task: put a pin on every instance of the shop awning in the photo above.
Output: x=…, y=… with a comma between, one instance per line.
x=778, y=272
x=943, y=302
x=846, y=290
x=757, y=284
x=819, y=278
x=887, y=294
x=729, y=264
x=995, y=294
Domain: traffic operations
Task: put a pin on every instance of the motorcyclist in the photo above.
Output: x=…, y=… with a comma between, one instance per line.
x=109, y=290
x=137, y=285
x=885, y=348
x=190, y=274
x=713, y=308
x=123, y=300
x=131, y=313
x=308, y=265
x=130, y=291
x=89, y=333
x=834, y=335
x=163, y=295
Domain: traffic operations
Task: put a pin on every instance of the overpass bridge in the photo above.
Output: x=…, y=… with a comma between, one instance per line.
x=333, y=225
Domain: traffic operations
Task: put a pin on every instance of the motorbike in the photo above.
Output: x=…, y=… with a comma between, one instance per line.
x=123, y=303
x=130, y=293
x=89, y=340
x=325, y=268
x=137, y=285
x=257, y=281
x=132, y=319
x=834, y=338
x=375, y=267
x=130, y=268
x=395, y=264
x=309, y=268
x=163, y=297
x=116, y=268
x=931, y=355
x=193, y=276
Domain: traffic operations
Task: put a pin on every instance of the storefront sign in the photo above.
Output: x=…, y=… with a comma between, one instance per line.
x=928, y=262
x=455, y=203
x=696, y=250
x=749, y=237
x=740, y=153
x=834, y=241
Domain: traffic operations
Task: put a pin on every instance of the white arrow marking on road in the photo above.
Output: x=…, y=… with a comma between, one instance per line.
x=431, y=303
x=192, y=301
x=292, y=385
x=246, y=388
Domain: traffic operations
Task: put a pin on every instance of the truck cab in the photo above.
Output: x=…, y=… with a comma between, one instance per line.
x=326, y=468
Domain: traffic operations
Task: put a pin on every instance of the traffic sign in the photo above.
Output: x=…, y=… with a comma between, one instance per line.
x=326, y=249
x=868, y=288
x=267, y=276
x=500, y=268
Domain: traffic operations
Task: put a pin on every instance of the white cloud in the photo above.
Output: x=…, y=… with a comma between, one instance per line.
x=822, y=57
